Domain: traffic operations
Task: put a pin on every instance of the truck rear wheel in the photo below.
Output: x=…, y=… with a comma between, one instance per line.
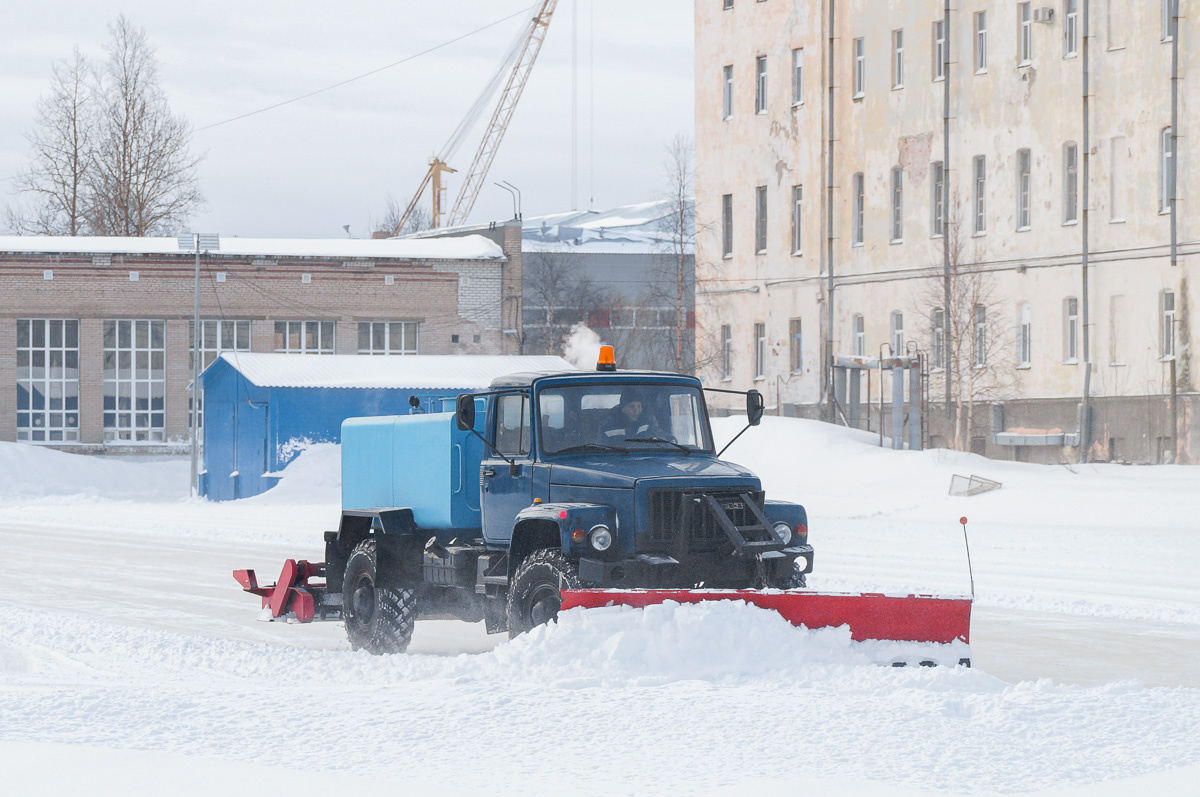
x=379, y=619
x=534, y=596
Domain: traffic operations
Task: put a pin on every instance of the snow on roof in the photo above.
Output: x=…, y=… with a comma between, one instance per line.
x=419, y=371
x=628, y=229
x=470, y=247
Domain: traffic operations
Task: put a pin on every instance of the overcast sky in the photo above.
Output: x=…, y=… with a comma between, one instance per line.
x=308, y=168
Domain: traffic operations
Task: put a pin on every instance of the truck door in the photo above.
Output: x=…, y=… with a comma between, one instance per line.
x=506, y=493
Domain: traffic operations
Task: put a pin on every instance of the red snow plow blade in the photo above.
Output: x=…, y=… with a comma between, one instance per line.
x=903, y=618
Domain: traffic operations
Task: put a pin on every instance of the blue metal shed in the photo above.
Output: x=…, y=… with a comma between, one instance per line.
x=261, y=409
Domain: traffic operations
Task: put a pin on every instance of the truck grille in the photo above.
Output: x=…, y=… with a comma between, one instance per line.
x=676, y=512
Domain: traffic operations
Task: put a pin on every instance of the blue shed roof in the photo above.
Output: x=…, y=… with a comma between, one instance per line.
x=416, y=371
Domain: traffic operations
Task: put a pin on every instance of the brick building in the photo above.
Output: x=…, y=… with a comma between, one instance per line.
x=96, y=333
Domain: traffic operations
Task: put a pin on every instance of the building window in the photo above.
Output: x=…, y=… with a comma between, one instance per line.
x=1166, y=157
x=937, y=192
x=1024, y=335
x=897, y=204
x=797, y=219
x=856, y=221
x=760, y=219
x=980, y=336
x=728, y=4
x=897, y=333
x=1023, y=189
x=798, y=76
x=898, y=59
x=387, y=337
x=937, y=345
x=760, y=350
x=135, y=381
x=860, y=65
x=1070, y=183
x=1166, y=306
x=304, y=337
x=1166, y=12
x=980, y=42
x=796, y=346
x=1024, y=34
x=727, y=225
x=216, y=336
x=1116, y=180
x=727, y=92
x=859, y=335
x=980, y=169
x=939, y=50
x=48, y=380
x=726, y=352
x=1070, y=330
x=1070, y=28
x=760, y=84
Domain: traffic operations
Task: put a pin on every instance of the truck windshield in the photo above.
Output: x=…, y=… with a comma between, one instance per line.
x=625, y=417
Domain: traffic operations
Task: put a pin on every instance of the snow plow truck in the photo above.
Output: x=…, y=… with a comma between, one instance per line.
x=562, y=489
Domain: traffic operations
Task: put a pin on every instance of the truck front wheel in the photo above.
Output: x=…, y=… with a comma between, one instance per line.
x=534, y=595
x=379, y=619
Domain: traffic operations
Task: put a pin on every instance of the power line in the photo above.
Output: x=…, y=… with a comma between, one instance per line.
x=365, y=74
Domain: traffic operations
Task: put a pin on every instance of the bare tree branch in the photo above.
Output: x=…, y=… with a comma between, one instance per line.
x=54, y=183
x=143, y=178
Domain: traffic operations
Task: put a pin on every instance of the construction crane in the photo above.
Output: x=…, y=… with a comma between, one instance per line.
x=521, y=57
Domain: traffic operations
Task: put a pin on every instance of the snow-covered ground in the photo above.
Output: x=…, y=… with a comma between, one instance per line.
x=130, y=662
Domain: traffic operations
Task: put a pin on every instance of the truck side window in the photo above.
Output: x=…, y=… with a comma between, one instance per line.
x=512, y=424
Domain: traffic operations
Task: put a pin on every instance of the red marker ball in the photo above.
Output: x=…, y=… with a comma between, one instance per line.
x=962, y=520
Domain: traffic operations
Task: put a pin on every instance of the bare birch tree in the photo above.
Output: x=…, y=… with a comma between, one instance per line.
x=143, y=176
x=679, y=228
x=388, y=223
x=972, y=339
x=557, y=296
x=55, y=183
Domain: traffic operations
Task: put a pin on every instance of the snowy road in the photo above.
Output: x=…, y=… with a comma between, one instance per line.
x=128, y=651
x=184, y=586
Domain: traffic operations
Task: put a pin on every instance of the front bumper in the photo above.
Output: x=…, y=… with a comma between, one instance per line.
x=655, y=571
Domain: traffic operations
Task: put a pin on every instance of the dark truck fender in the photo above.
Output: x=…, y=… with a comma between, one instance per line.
x=550, y=526
x=397, y=538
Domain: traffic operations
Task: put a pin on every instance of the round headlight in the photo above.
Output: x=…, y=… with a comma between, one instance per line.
x=784, y=531
x=601, y=538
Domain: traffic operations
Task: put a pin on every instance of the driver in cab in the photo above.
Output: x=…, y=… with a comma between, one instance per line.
x=632, y=419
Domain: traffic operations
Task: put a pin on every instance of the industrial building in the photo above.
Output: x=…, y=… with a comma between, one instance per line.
x=96, y=333
x=627, y=272
x=998, y=188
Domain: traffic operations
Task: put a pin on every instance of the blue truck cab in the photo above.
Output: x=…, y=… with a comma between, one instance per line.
x=545, y=482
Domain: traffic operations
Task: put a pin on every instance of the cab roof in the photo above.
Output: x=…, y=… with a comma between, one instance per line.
x=527, y=378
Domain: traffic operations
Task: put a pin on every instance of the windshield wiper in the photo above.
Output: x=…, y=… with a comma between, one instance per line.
x=680, y=446
x=590, y=447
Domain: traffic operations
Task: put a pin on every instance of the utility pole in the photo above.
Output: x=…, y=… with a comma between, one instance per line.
x=210, y=243
x=829, y=359
x=1085, y=420
x=947, y=361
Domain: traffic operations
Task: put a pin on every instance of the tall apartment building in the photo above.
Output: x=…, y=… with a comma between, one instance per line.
x=96, y=338
x=820, y=151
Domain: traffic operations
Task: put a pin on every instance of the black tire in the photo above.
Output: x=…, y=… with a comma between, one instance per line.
x=533, y=595
x=792, y=579
x=379, y=619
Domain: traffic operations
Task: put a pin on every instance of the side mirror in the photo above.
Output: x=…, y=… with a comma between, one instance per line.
x=754, y=408
x=464, y=411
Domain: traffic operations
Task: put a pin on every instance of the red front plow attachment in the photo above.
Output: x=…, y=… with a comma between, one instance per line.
x=931, y=619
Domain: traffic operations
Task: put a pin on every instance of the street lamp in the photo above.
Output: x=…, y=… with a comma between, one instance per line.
x=196, y=242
